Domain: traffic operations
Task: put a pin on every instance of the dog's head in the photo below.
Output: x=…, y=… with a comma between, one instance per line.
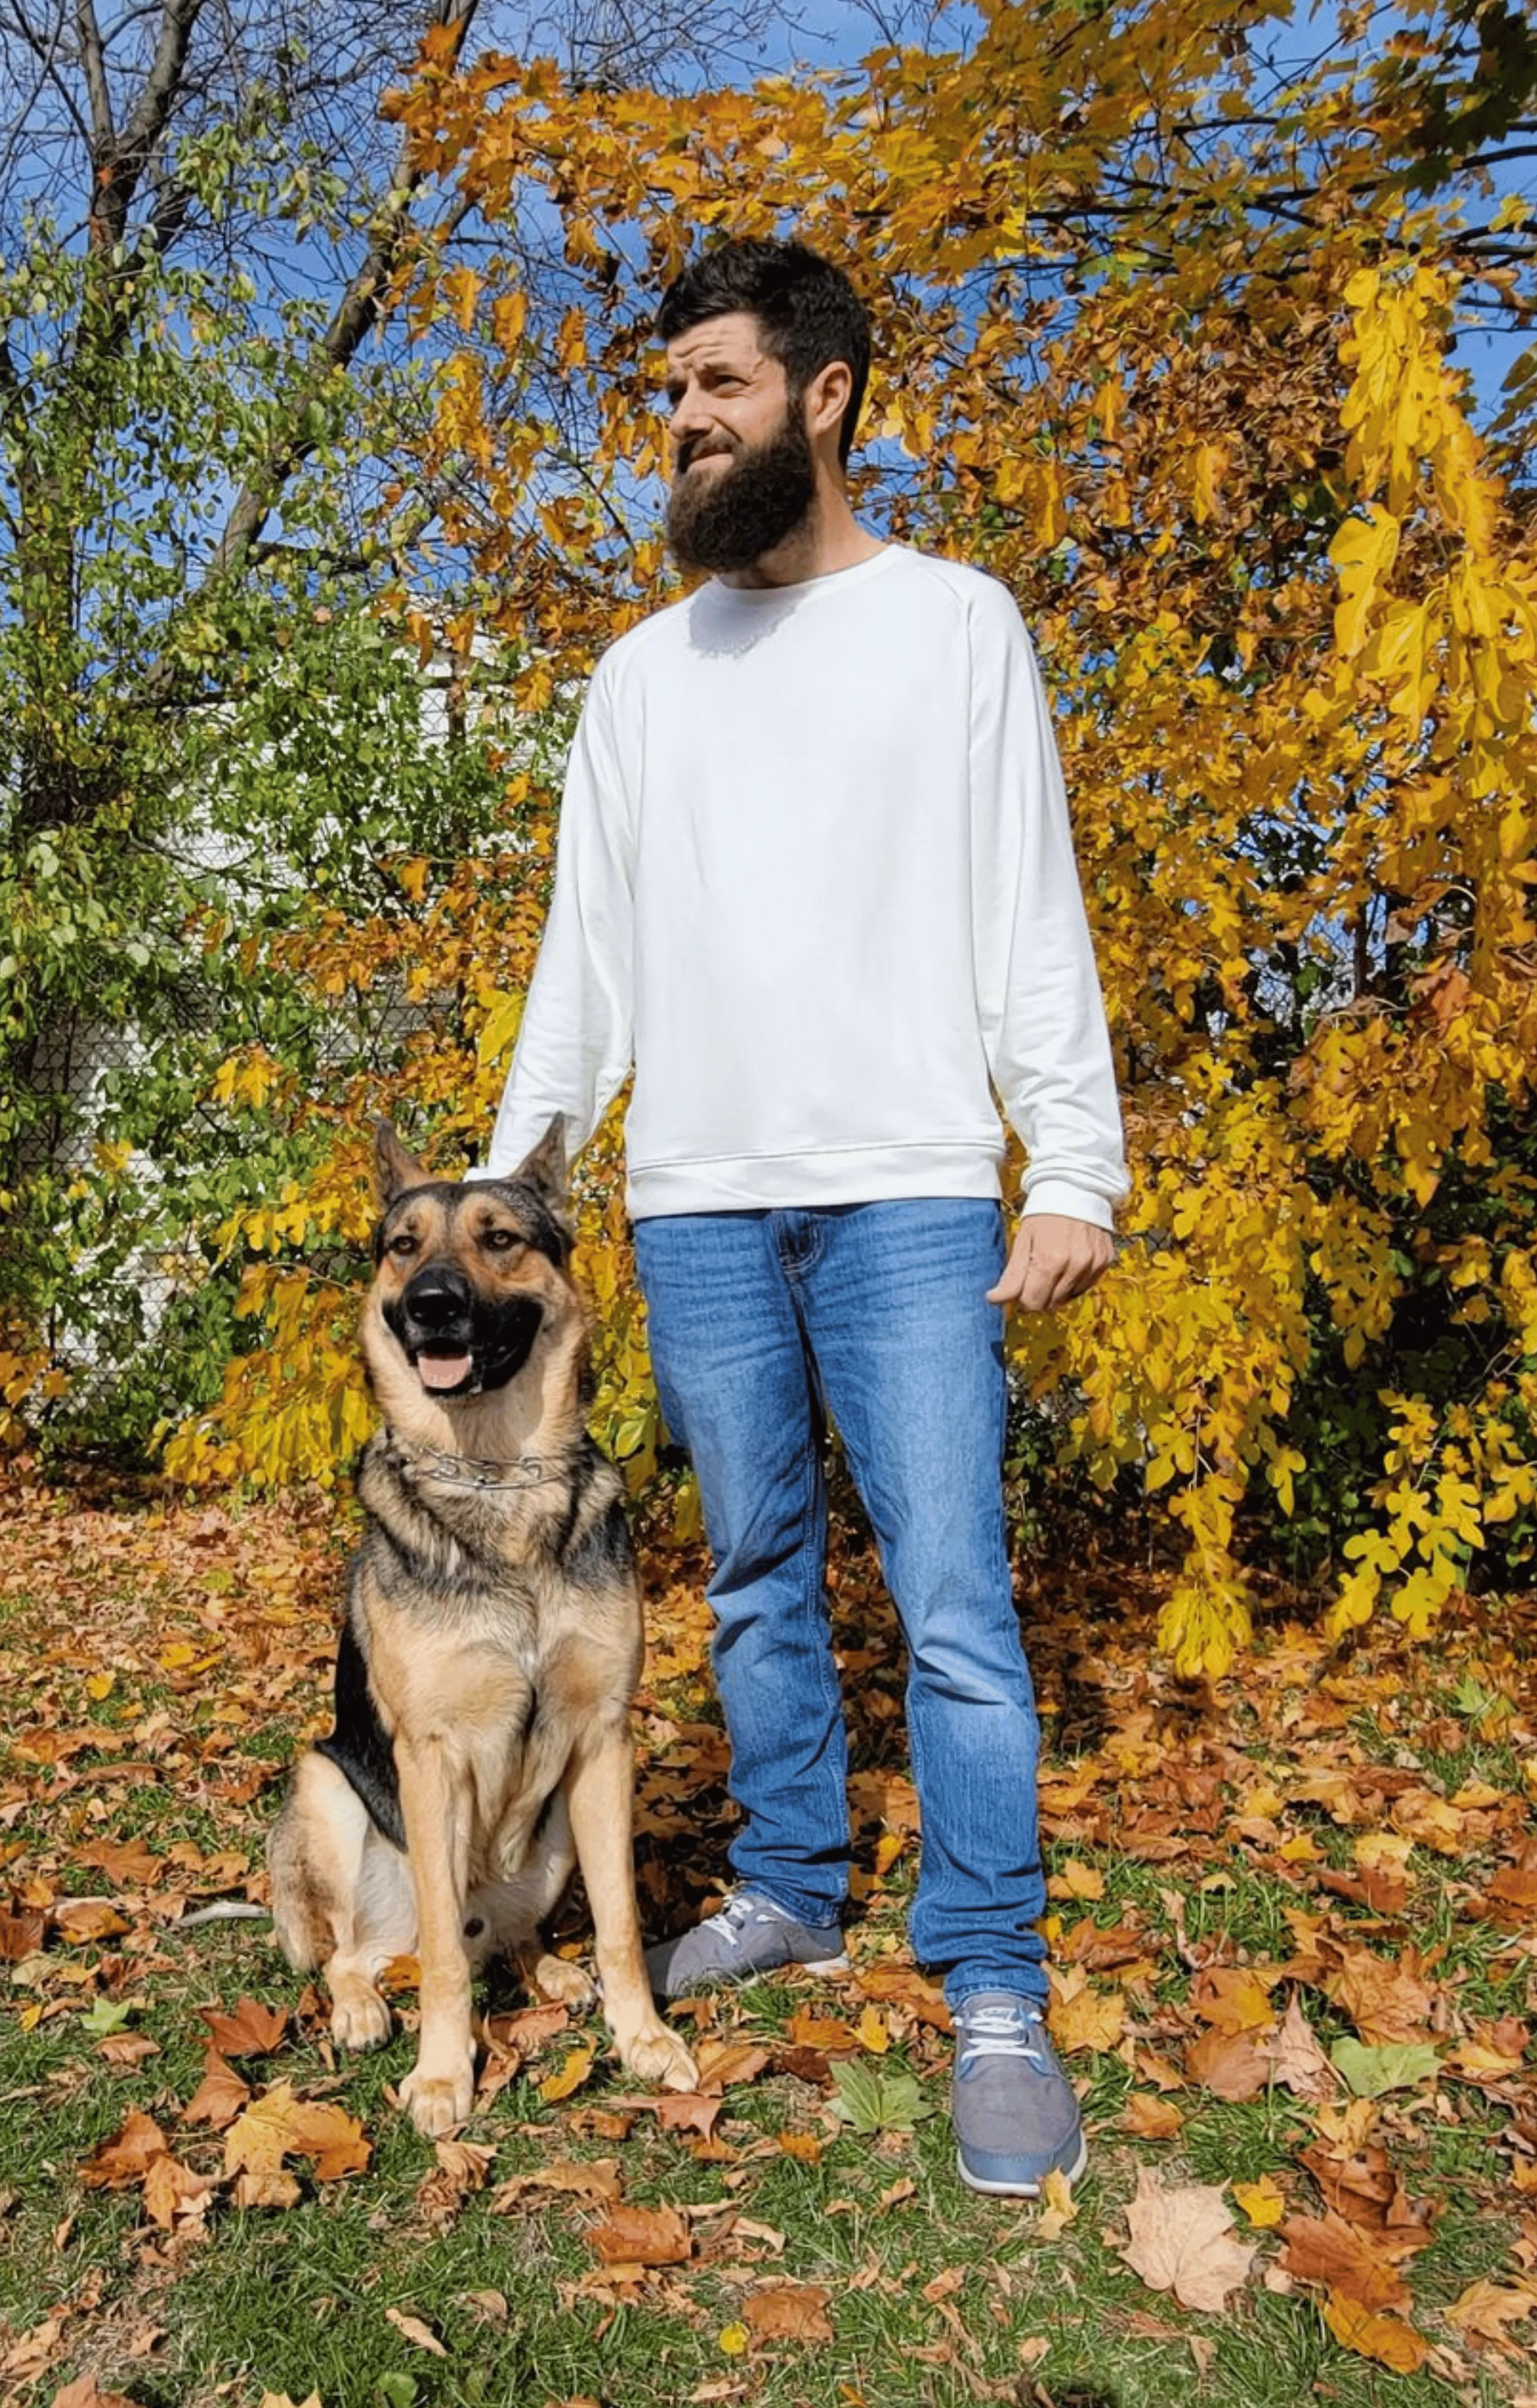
x=467, y=1275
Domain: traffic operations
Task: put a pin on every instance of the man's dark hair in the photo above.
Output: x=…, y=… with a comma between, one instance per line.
x=807, y=309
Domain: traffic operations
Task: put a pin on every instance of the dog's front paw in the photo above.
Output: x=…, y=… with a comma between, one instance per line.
x=359, y=2017
x=436, y=2101
x=564, y=1984
x=655, y=2054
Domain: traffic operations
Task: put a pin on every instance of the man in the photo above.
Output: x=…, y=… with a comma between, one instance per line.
x=815, y=879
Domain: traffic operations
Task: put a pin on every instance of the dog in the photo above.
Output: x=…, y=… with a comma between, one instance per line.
x=490, y=1648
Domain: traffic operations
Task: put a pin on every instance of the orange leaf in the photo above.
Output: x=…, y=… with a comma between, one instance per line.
x=790, y=2312
x=723, y=2064
x=1227, y=2064
x=126, y=2159
x=643, y=2236
x=218, y=2096
x=279, y=2126
x=1328, y=2250
x=1148, y=2117
x=572, y=2074
x=1382, y=2338
x=251, y=2030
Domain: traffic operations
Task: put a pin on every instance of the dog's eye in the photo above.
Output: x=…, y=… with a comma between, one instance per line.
x=502, y=1241
x=403, y=1244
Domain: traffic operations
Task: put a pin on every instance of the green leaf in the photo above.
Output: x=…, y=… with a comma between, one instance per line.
x=875, y=2099
x=106, y=2017
x=1371, y=2072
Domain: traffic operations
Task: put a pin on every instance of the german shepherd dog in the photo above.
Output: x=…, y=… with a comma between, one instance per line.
x=490, y=1649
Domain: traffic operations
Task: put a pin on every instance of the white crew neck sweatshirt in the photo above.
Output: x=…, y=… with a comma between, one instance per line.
x=815, y=880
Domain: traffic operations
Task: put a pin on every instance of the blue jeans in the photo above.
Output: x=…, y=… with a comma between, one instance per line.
x=877, y=1312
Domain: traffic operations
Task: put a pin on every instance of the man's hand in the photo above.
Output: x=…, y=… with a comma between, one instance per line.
x=1052, y=1258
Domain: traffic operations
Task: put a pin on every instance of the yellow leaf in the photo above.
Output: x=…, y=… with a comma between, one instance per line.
x=1263, y=2202
x=572, y=2074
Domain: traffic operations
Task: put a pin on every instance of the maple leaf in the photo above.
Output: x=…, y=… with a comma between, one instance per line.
x=1384, y=2338
x=1182, y=2241
x=1081, y=2018
x=723, y=2064
x=1149, y=2117
x=175, y=2198
x=218, y=2096
x=789, y=2312
x=1330, y=2251
x=642, y=2236
x=1228, y=2064
x=1485, y=2310
x=278, y=2124
x=1296, y=2061
x=1371, y=2073
x=1386, y=2002
x=676, y=2111
x=1231, y=1998
x=251, y=2030
x=124, y=2160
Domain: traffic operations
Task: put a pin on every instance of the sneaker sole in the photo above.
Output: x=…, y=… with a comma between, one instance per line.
x=1019, y=2189
x=724, y=1979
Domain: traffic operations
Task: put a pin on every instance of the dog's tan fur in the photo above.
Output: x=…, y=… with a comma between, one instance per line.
x=499, y=1627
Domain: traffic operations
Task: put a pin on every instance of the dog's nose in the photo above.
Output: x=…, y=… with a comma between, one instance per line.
x=437, y=1297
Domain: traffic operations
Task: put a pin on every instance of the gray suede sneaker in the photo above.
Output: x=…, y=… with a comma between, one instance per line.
x=1015, y=2116
x=749, y=1935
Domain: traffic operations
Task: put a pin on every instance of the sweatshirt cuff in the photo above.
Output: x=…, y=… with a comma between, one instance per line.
x=1074, y=1203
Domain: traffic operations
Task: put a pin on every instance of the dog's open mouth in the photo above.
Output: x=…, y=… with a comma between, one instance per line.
x=443, y=1370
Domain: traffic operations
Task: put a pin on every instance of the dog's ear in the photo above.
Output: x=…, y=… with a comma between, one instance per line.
x=545, y=1168
x=395, y=1168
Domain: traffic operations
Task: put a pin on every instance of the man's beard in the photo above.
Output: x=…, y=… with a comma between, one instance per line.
x=728, y=518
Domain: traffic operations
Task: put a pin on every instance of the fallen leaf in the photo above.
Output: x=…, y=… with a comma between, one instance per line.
x=251, y=2030
x=1228, y=2064
x=1371, y=2073
x=1264, y=2203
x=1149, y=2117
x=124, y=2160
x=86, y=2392
x=1328, y=2251
x=1297, y=2060
x=1182, y=2241
x=594, y=2180
x=1231, y=1998
x=572, y=2074
x=1391, y=2343
x=872, y=2032
x=218, y=2096
x=128, y=2048
x=1057, y=2209
x=1386, y=2002
x=804, y=2145
x=422, y=2336
x=676, y=2111
x=808, y=2031
x=86, y=1919
x=175, y=2198
x=278, y=2124
x=790, y=2312
x=643, y=2236
x=1485, y=2309
x=1082, y=2018
x=725, y=2063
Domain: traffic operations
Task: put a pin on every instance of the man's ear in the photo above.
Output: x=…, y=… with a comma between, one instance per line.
x=395, y=1168
x=826, y=398
x=545, y=1168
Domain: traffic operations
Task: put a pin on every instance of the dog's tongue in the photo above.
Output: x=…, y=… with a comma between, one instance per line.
x=442, y=1370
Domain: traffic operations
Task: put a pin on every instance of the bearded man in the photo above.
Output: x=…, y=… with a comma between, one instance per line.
x=815, y=883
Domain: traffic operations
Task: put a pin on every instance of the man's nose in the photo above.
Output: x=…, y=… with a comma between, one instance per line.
x=688, y=417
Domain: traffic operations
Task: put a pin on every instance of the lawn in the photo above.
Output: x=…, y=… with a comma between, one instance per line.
x=1294, y=1980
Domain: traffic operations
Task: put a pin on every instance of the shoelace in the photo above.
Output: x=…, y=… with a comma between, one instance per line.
x=1001, y=2031
x=732, y=1918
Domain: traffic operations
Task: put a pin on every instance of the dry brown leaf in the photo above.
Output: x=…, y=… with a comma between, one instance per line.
x=422, y=2336
x=789, y=2312
x=1296, y=2061
x=1326, y=2250
x=20, y=1936
x=273, y=2190
x=596, y=2181
x=1080, y=2018
x=127, y=1862
x=86, y=2392
x=1182, y=2241
x=127, y=2048
x=1485, y=2310
x=808, y=2031
x=462, y=2168
x=128, y=2156
x=1386, y=2002
x=278, y=2124
x=643, y=2236
x=88, y=1918
x=724, y=2063
x=218, y=2096
x=903, y=1985
x=676, y=2111
x=1231, y=1998
x=251, y=2030
x=571, y=2076
x=1391, y=2343
x=1149, y=2117
x=1227, y=2064
x=175, y=2198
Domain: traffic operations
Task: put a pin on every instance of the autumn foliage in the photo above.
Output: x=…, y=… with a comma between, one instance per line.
x=1165, y=341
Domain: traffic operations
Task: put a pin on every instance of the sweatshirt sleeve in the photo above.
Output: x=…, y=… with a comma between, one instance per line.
x=1037, y=990
x=574, y=1048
